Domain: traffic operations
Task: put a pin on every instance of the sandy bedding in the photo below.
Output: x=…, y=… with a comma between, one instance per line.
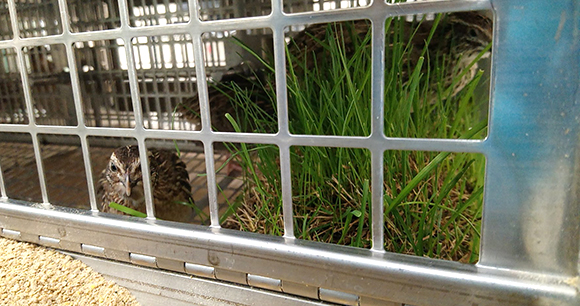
x=32, y=275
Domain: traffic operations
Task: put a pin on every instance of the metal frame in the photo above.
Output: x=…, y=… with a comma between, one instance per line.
x=152, y=287
x=530, y=238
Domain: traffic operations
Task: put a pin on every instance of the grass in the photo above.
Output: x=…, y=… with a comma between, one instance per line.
x=432, y=200
x=127, y=210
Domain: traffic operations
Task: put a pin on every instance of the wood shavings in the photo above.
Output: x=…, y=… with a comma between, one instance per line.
x=32, y=275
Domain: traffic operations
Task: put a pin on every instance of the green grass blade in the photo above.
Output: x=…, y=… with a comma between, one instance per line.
x=127, y=210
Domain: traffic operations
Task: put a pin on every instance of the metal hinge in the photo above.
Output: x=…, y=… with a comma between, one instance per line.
x=237, y=277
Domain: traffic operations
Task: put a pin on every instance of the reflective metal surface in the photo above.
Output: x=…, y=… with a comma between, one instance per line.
x=531, y=223
x=151, y=287
x=531, y=211
x=234, y=255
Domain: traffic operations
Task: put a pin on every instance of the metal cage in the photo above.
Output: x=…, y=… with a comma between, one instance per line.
x=107, y=72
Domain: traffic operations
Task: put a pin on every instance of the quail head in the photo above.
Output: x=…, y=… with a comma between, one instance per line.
x=122, y=182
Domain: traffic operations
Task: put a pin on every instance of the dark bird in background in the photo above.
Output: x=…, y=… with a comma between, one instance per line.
x=122, y=182
x=460, y=37
x=245, y=76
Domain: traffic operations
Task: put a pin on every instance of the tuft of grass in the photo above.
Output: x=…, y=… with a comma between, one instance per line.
x=127, y=210
x=432, y=200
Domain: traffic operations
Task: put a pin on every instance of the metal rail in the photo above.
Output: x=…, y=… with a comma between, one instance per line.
x=298, y=266
x=530, y=241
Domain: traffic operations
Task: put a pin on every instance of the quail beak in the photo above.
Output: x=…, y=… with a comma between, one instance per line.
x=127, y=185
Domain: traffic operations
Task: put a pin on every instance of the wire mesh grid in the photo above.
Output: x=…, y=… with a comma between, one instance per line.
x=111, y=85
x=102, y=65
x=106, y=95
x=65, y=173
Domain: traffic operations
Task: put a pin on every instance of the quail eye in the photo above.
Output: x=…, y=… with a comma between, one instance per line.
x=113, y=167
x=472, y=33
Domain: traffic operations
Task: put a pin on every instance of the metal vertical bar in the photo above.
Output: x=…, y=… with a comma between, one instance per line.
x=116, y=94
x=205, y=117
x=206, y=55
x=149, y=205
x=116, y=105
x=123, y=96
x=187, y=76
x=99, y=80
x=171, y=103
x=377, y=110
x=531, y=214
x=211, y=184
x=3, y=193
x=191, y=74
x=159, y=62
x=125, y=19
x=286, y=180
x=37, y=28
x=40, y=167
x=216, y=53
x=7, y=99
x=167, y=93
x=283, y=132
x=152, y=59
x=109, y=22
x=78, y=105
x=28, y=100
x=377, y=212
x=132, y=13
x=89, y=173
x=138, y=113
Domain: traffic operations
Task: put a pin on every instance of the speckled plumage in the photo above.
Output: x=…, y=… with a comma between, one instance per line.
x=460, y=37
x=122, y=182
x=246, y=77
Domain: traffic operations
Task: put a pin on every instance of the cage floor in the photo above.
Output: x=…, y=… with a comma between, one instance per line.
x=66, y=180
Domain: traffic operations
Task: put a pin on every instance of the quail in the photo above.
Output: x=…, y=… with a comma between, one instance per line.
x=245, y=77
x=122, y=182
x=460, y=37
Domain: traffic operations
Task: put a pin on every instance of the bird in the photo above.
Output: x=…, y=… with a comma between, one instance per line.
x=246, y=76
x=122, y=182
x=460, y=37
